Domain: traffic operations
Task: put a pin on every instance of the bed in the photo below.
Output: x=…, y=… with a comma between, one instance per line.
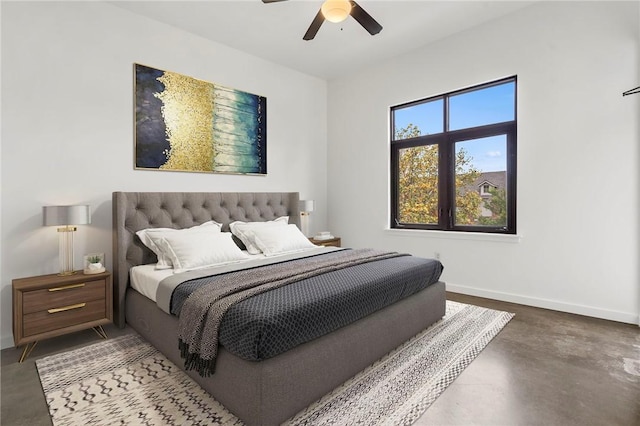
x=270, y=391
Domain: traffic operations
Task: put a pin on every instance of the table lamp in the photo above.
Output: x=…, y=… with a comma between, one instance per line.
x=66, y=217
x=306, y=207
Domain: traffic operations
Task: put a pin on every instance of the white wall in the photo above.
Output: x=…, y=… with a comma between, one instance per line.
x=578, y=162
x=67, y=125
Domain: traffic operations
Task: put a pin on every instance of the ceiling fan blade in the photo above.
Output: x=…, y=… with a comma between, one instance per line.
x=364, y=19
x=271, y=1
x=314, y=27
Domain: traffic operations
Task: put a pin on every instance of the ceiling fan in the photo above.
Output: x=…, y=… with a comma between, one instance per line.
x=338, y=11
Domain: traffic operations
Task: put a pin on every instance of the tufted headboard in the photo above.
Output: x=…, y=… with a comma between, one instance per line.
x=133, y=211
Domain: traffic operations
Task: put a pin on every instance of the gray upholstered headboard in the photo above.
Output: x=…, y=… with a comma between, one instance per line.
x=133, y=211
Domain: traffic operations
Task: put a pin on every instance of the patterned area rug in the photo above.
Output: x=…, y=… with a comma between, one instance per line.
x=126, y=381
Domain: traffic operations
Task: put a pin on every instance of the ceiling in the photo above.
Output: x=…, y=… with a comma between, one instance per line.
x=274, y=31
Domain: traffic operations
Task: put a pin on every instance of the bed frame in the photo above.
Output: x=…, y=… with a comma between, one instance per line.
x=270, y=391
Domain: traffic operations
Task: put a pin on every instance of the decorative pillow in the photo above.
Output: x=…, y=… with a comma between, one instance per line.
x=242, y=231
x=274, y=240
x=196, y=250
x=151, y=236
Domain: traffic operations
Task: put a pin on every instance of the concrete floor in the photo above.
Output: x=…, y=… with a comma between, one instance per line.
x=544, y=368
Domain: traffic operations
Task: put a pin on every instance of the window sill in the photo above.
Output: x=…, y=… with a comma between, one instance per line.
x=452, y=235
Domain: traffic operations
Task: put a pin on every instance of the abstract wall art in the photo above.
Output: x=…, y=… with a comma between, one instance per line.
x=186, y=124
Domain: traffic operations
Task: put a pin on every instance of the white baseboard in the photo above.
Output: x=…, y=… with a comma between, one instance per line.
x=589, y=311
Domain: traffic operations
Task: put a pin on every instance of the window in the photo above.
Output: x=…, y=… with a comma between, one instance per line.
x=453, y=160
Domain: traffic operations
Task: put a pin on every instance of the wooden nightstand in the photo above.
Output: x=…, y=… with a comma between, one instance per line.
x=333, y=242
x=52, y=305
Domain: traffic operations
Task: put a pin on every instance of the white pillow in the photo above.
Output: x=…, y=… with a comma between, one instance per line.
x=274, y=240
x=202, y=249
x=242, y=231
x=151, y=236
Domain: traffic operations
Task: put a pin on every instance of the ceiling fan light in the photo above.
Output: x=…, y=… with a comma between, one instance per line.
x=336, y=10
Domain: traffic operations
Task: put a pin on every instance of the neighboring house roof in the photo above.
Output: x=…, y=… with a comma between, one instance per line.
x=497, y=180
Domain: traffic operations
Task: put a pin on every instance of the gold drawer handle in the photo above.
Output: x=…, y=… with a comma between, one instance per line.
x=66, y=308
x=66, y=287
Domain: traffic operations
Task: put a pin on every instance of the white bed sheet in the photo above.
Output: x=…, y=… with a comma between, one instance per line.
x=145, y=279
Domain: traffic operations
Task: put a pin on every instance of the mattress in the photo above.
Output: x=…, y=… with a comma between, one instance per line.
x=146, y=278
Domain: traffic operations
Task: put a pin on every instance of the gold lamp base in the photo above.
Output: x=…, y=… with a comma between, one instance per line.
x=66, y=250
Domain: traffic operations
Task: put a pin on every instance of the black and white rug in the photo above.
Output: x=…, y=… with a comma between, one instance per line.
x=126, y=381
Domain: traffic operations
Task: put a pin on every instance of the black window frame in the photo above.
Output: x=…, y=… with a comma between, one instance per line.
x=446, y=163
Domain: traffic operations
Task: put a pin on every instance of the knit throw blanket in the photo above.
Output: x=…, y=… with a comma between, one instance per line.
x=204, y=309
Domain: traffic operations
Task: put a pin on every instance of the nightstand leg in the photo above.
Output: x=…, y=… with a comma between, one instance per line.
x=27, y=350
x=100, y=332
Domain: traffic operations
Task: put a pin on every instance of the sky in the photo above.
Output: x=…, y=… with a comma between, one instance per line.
x=494, y=104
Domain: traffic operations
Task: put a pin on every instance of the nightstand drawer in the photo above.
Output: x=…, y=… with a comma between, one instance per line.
x=63, y=315
x=63, y=295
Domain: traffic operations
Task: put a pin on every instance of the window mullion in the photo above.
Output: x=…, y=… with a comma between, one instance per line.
x=443, y=184
x=443, y=174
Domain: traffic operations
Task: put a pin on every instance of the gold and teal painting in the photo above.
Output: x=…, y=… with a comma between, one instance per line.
x=186, y=124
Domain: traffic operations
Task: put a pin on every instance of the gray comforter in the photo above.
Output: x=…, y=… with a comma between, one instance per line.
x=261, y=312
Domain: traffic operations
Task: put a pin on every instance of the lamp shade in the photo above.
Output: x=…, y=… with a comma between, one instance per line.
x=307, y=205
x=336, y=10
x=66, y=215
